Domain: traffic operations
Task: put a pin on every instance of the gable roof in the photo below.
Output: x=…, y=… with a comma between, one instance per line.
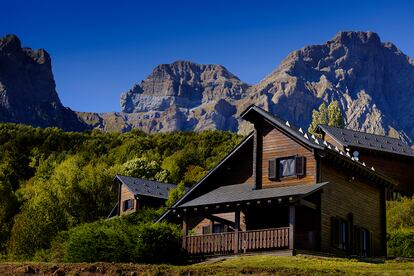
x=352, y=138
x=244, y=192
x=243, y=143
x=310, y=140
x=144, y=187
x=291, y=130
x=297, y=134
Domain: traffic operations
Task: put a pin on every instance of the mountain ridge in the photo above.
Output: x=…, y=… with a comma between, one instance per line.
x=373, y=81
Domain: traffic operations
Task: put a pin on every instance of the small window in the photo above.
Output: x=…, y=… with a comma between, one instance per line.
x=128, y=204
x=340, y=233
x=286, y=167
x=206, y=230
x=219, y=228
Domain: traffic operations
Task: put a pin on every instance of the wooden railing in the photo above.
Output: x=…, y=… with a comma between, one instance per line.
x=224, y=243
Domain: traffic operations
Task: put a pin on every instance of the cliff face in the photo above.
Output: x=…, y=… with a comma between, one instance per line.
x=182, y=84
x=373, y=82
x=27, y=88
x=178, y=96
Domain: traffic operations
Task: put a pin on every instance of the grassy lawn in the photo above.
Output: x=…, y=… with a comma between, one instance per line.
x=258, y=265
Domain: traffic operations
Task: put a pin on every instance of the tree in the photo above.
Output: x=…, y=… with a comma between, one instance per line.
x=175, y=194
x=335, y=115
x=142, y=167
x=331, y=116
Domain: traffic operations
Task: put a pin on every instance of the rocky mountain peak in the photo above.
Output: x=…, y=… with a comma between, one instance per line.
x=351, y=38
x=183, y=84
x=27, y=88
x=10, y=43
x=356, y=69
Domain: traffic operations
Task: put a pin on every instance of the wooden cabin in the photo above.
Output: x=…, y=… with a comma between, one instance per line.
x=390, y=156
x=282, y=189
x=135, y=193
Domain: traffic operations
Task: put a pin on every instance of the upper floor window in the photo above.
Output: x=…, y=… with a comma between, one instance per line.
x=128, y=204
x=286, y=167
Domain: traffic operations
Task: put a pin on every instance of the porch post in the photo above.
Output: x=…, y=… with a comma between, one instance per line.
x=236, y=231
x=185, y=232
x=292, y=227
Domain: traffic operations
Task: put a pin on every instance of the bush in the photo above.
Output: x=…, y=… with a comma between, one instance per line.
x=130, y=238
x=159, y=243
x=400, y=214
x=99, y=241
x=401, y=243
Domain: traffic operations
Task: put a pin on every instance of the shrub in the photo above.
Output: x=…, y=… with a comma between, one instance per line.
x=99, y=241
x=401, y=243
x=130, y=238
x=400, y=214
x=159, y=243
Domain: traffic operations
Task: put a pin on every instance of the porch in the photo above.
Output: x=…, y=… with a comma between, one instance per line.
x=225, y=243
x=287, y=221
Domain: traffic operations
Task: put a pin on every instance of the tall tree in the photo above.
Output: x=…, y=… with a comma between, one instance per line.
x=330, y=115
x=335, y=115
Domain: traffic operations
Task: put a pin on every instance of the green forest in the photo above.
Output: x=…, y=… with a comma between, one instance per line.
x=52, y=181
x=57, y=189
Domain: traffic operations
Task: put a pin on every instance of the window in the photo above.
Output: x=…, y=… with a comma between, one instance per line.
x=340, y=233
x=286, y=167
x=219, y=228
x=128, y=204
x=206, y=230
x=362, y=241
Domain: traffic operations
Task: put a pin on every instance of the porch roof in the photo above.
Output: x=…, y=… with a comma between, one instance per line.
x=244, y=192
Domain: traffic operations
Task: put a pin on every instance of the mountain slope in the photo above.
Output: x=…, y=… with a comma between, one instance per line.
x=27, y=88
x=178, y=96
x=373, y=81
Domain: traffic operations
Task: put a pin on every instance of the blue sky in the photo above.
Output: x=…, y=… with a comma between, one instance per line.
x=99, y=49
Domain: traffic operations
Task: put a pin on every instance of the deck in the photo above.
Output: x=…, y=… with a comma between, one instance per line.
x=238, y=241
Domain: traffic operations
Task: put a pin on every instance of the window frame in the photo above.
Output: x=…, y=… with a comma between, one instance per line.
x=274, y=168
x=362, y=241
x=206, y=230
x=126, y=206
x=341, y=233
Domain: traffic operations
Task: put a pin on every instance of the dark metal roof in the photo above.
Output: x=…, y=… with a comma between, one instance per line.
x=352, y=138
x=144, y=187
x=248, y=138
x=311, y=140
x=245, y=192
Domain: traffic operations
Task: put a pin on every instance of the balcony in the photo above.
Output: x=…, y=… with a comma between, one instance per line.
x=238, y=241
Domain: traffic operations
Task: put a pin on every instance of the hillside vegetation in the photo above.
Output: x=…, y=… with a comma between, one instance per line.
x=56, y=190
x=52, y=181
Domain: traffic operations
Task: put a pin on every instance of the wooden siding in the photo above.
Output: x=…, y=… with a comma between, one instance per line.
x=342, y=197
x=198, y=229
x=276, y=144
x=398, y=169
x=125, y=195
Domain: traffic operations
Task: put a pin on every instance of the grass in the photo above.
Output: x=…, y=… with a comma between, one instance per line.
x=257, y=265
